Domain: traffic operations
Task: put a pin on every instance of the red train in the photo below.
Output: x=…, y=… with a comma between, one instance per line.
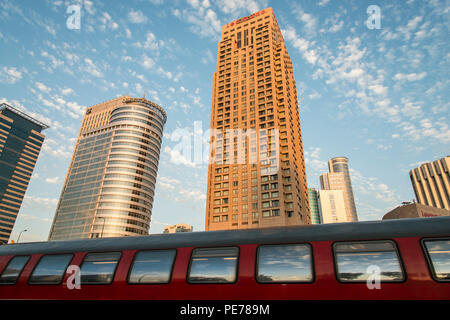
x=395, y=259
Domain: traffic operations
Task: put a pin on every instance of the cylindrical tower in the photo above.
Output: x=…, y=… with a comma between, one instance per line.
x=110, y=184
x=340, y=164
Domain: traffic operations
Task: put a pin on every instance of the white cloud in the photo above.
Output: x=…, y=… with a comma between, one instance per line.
x=177, y=158
x=67, y=91
x=43, y=87
x=54, y=180
x=147, y=62
x=410, y=76
x=92, y=69
x=137, y=16
x=10, y=75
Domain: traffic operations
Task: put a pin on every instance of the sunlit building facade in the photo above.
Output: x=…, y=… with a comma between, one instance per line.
x=339, y=179
x=256, y=174
x=332, y=206
x=179, y=227
x=109, y=187
x=431, y=183
x=20, y=143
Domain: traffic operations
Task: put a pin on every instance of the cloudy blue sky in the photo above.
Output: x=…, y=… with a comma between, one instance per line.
x=378, y=96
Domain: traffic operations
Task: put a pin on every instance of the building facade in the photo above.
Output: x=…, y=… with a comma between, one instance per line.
x=431, y=183
x=20, y=143
x=339, y=179
x=332, y=206
x=314, y=207
x=179, y=227
x=109, y=187
x=415, y=210
x=256, y=174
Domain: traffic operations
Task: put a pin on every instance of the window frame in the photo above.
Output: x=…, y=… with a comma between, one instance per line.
x=49, y=283
x=397, y=251
x=113, y=274
x=429, y=262
x=20, y=272
x=313, y=270
x=130, y=268
x=236, y=279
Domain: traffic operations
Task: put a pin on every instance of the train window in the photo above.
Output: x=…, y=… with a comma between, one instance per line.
x=152, y=266
x=360, y=261
x=439, y=256
x=284, y=263
x=11, y=273
x=50, y=269
x=99, y=268
x=213, y=265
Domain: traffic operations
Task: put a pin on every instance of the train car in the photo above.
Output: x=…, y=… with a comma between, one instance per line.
x=382, y=260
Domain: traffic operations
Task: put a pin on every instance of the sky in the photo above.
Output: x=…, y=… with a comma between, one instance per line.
x=373, y=90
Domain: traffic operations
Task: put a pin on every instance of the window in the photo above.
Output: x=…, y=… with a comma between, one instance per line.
x=11, y=273
x=357, y=261
x=284, y=263
x=50, y=269
x=439, y=257
x=152, y=266
x=213, y=265
x=99, y=268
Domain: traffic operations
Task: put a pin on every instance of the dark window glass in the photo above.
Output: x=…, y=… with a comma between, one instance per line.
x=152, y=267
x=359, y=261
x=50, y=269
x=98, y=268
x=439, y=253
x=285, y=263
x=11, y=273
x=213, y=265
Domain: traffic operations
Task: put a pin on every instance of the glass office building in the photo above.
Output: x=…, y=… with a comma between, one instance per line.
x=110, y=183
x=314, y=206
x=20, y=143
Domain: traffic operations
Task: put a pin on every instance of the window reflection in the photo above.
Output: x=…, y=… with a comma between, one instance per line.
x=353, y=261
x=284, y=263
x=214, y=265
x=98, y=268
x=12, y=271
x=152, y=266
x=50, y=269
x=439, y=253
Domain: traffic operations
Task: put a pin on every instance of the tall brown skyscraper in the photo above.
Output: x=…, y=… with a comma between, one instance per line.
x=431, y=183
x=256, y=176
x=110, y=183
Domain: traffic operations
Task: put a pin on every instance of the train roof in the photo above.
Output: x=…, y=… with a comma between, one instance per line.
x=370, y=230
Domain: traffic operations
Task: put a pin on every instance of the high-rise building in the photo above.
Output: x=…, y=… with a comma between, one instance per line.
x=431, y=183
x=314, y=205
x=332, y=206
x=109, y=187
x=179, y=227
x=339, y=179
x=256, y=176
x=20, y=143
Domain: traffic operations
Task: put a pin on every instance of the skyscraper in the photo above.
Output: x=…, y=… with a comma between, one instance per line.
x=109, y=187
x=332, y=206
x=339, y=179
x=431, y=183
x=314, y=207
x=20, y=143
x=256, y=176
